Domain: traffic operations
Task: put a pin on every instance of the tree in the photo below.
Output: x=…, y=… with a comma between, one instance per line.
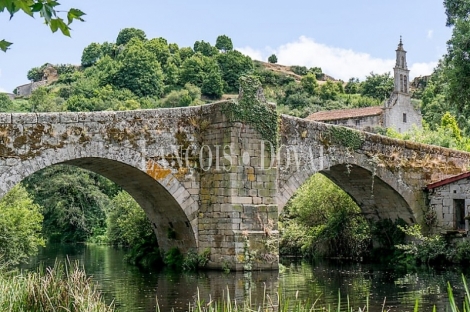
x=457, y=67
x=272, y=59
x=159, y=47
x=91, y=54
x=352, y=87
x=323, y=220
x=309, y=83
x=233, y=65
x=224, y=43
x=205, y=48
x=329, y=90
x=456, y=10
x=73, y=202
x=127, y=34
x=212, y=85
x=20, y=226
x=194, y=69
x=36, y=73
x=46, y=10
x=377, y=86
x=139, y=71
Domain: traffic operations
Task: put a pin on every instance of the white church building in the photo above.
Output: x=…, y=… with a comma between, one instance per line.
x=397, y=112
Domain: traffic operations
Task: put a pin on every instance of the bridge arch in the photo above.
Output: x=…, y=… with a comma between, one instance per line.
x=379, y=192
x=165, y=200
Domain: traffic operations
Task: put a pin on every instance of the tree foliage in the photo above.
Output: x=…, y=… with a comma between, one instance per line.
x=224, y=43
x=20, y=226
x=233, y=65
x=46, y=9
x=323, y=220
x=91, y=54
x=377, y=86
x=205, y=48
x=73, y=202
x=139, y=71
x=272, y=59
x=126, y=34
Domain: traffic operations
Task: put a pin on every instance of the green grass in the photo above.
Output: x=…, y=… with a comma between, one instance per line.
x=65, y=287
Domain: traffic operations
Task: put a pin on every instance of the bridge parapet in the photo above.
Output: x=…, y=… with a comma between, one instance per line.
x=391, y=172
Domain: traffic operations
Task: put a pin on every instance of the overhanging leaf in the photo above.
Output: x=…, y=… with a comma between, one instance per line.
x=74, y=14
x=5, y=45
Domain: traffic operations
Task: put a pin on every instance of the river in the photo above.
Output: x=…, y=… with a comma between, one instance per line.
x=134, y=290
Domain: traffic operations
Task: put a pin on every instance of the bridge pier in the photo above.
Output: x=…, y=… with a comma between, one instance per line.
x=238, y=213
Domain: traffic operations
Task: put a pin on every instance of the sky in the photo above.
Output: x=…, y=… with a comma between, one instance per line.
x=345, y=38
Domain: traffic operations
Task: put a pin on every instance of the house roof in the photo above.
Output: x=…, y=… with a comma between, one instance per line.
x=448, y=180
x=346, y=113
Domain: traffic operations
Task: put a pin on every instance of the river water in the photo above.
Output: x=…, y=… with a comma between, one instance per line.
x=134, y=290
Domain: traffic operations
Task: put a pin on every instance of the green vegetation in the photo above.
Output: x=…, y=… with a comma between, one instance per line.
x=322, y=220
x=46, y=9
x=20, y=226
x=64, y=287
x=272, y=59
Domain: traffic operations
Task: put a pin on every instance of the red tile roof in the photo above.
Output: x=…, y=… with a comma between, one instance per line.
x=448, y=180
x=346, y=113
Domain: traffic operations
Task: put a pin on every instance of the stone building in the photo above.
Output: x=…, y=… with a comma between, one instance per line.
x=27, y=89
x=397, y=112
x=449, y=203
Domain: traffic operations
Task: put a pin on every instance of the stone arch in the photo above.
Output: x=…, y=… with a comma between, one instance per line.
x=379, y=192
x=166, y=202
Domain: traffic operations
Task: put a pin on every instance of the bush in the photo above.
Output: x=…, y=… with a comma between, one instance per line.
x=299, y=70
x=174, y=259
x=193, y=261
x=424, y=249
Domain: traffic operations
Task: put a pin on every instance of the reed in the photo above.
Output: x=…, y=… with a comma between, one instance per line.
x=226, y=304
x=65, y=287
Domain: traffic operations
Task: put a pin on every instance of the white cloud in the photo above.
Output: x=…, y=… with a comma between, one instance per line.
x=253, y=53
x=2, y=90
x=422, y=69
x=337, y=62
x=430, y=34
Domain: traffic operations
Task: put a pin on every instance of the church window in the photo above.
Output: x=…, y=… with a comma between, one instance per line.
x=403, y=62
x=405, y=82
x=401, y=83
x=404, y=117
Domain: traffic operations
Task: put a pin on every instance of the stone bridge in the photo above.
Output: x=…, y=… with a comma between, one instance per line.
x=207, y=181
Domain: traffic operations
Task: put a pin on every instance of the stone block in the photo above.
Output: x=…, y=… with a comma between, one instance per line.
x=242, y=200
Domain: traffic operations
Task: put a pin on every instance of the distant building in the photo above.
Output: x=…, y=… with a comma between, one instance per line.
x=27, y=89
x=397, y=112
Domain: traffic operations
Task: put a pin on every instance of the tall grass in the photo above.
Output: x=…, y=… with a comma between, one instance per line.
x=65, y=287
x=226, y=304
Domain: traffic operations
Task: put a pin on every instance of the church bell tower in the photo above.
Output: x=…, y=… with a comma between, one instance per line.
x=401, y=71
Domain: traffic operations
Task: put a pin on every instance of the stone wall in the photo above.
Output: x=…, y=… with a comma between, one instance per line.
x=446, y=203
x=384, y=176
x=27, y=89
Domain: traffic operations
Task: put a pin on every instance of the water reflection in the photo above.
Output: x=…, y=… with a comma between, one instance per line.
x=383, y=288
x=136, y=290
